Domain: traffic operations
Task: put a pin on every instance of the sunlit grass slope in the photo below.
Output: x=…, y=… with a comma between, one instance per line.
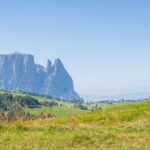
x=57, y=111
x=125, y=127
x=63, y=108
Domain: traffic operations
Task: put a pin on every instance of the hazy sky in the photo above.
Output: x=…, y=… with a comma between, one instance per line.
x=104, y=44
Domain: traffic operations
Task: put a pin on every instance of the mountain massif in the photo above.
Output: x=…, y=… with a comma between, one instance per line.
x=20, y=72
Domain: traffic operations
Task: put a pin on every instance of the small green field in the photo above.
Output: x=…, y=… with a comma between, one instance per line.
x=57, y=111
x=125, y=127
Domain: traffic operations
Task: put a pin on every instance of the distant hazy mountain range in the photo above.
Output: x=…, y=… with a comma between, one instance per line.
x=19, y=72
x=129, y=96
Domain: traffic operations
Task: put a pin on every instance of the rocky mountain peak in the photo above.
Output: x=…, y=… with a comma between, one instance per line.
x=19, y=72
x=48, y=66
x=58, y=63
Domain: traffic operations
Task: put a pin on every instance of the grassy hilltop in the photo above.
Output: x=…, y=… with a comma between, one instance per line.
x=125, y=127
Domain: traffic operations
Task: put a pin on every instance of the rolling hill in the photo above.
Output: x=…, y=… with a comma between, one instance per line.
x=124, y=127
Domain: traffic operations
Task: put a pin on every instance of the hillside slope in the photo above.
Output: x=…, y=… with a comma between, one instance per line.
x=125, y=127
x=17, y=105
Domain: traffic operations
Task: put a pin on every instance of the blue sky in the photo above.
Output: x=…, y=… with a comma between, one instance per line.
x=104, y=44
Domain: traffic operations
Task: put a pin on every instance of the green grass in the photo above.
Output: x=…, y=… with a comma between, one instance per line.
x=125, y=127
x=57, y=111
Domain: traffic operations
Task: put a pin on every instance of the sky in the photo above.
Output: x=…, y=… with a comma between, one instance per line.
x=104, y=44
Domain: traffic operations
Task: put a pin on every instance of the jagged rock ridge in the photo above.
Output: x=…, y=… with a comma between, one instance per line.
x=19, y=72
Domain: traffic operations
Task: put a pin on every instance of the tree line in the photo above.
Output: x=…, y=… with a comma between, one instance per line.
x=13, y=107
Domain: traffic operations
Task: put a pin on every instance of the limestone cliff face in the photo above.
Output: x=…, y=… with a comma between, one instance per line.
x=19, y=72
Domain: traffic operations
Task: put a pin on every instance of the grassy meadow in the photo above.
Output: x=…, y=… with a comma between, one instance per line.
x=124, y=127
x=57, y=111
